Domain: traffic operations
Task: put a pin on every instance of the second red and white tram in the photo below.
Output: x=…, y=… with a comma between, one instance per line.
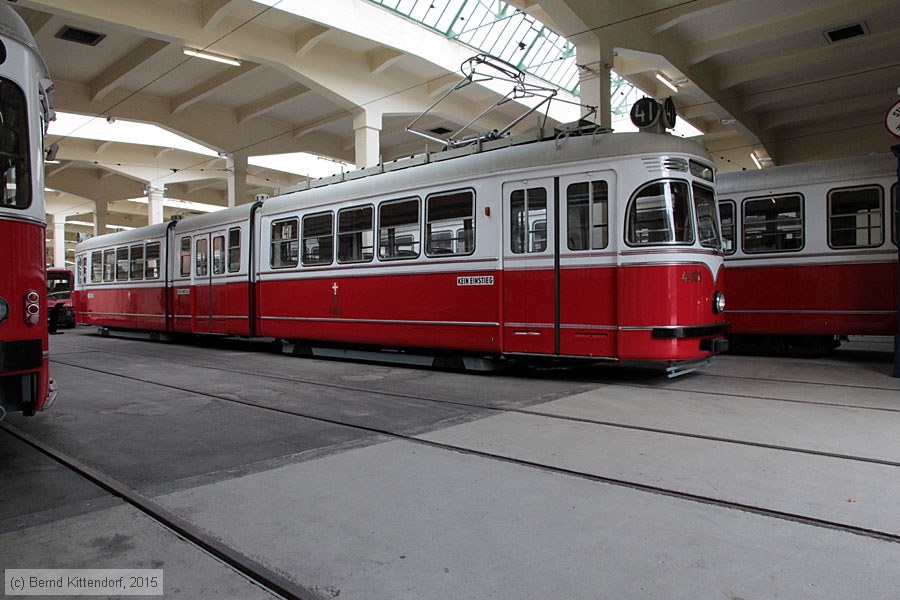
x=25, y=110
x=601, y=246
x=811, y=252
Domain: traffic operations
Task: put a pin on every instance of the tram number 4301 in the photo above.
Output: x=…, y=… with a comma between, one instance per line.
x=691, y=276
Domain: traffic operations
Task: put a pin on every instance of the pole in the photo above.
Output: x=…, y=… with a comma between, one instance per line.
x=896, y=151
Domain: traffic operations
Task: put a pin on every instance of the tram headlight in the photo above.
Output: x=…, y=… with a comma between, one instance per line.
x=718, y=302
x=4, y=309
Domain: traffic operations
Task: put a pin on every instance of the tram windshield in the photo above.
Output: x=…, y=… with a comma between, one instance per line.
x=59, y=285
x=660, y=213
x=707, y=221
x=14, y=166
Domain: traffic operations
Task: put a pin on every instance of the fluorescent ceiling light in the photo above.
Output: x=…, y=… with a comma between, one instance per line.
x=756, y=160
x=666, y=82
x=210, y=56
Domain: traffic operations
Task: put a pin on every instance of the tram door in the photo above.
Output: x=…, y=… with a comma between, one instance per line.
x=530, y=266
x=209, y=264
x=588, y=277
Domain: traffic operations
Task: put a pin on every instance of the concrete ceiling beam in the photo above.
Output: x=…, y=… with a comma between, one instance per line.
x=271, y=102
x=209, y=87
x=107, y=81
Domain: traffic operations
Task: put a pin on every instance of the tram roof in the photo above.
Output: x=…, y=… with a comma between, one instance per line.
x=839, y=169
x=119, y=238
x=461, y=165
x=220, y=217
x=14, y=27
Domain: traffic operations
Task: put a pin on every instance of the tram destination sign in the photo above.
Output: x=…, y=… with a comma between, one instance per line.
x=892, y=119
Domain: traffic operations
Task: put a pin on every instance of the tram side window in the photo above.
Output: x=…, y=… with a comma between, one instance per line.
x=707, y=219
x=137, y=262
x=660, y=213
x=449, y=224
x=588, y=215
x=285, y=244
x=218, y=255
x=122, y=263
x=96, y=267
x=14, y=157
x=202, y=251
x=726, y=215
x=151, y=261
x=856, y=217
x=356, y=237
x=109, y=265
x=398, y=229
x=773, y=224
x=234, y=250
x=185, y=257
x=528, y=220
x=81, y=270
x=318, y=239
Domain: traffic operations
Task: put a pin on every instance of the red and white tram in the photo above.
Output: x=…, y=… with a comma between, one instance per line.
x=60, y=305
x=24, y=113
x=600, y=246
x=811, y=252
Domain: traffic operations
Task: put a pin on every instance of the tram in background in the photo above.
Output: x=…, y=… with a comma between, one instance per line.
x=811, y=253
x=578, y=245
x=25, y=111
x=60, y=306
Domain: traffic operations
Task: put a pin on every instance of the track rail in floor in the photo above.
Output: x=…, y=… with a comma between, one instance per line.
x=251, y=569
x=636, y=485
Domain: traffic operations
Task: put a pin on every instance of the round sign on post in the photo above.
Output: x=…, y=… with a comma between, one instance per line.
x=645, y=112
x=892, y=120
x=669, y=114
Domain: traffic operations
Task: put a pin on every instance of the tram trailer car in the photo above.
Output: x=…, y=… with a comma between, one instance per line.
x=601, y=246
x=24, y=113
x=811, y=253
x=60, y=307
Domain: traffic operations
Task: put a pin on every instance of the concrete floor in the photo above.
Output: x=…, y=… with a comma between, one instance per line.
x=757, y=478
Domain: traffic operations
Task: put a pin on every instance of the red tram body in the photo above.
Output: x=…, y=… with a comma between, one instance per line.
x=811, y=252
x=601, y=246
x=24, y=113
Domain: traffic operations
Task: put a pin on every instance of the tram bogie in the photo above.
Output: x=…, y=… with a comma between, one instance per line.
x=601, y=247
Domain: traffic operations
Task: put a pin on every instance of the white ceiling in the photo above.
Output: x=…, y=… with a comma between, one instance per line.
x=757, y=75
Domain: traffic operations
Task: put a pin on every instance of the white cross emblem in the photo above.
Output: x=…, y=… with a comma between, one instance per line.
x=334, y=287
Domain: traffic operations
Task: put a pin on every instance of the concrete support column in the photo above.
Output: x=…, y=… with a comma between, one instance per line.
x=59, y=241
x=367, y=126
x=101, y=217
x=236, y=166
x=155, y=198
x=596, y=62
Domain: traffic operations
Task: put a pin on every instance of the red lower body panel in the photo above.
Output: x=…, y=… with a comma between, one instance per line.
x=847, y=299
x=24, y=367
x=424, y=311
x=142, y=308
